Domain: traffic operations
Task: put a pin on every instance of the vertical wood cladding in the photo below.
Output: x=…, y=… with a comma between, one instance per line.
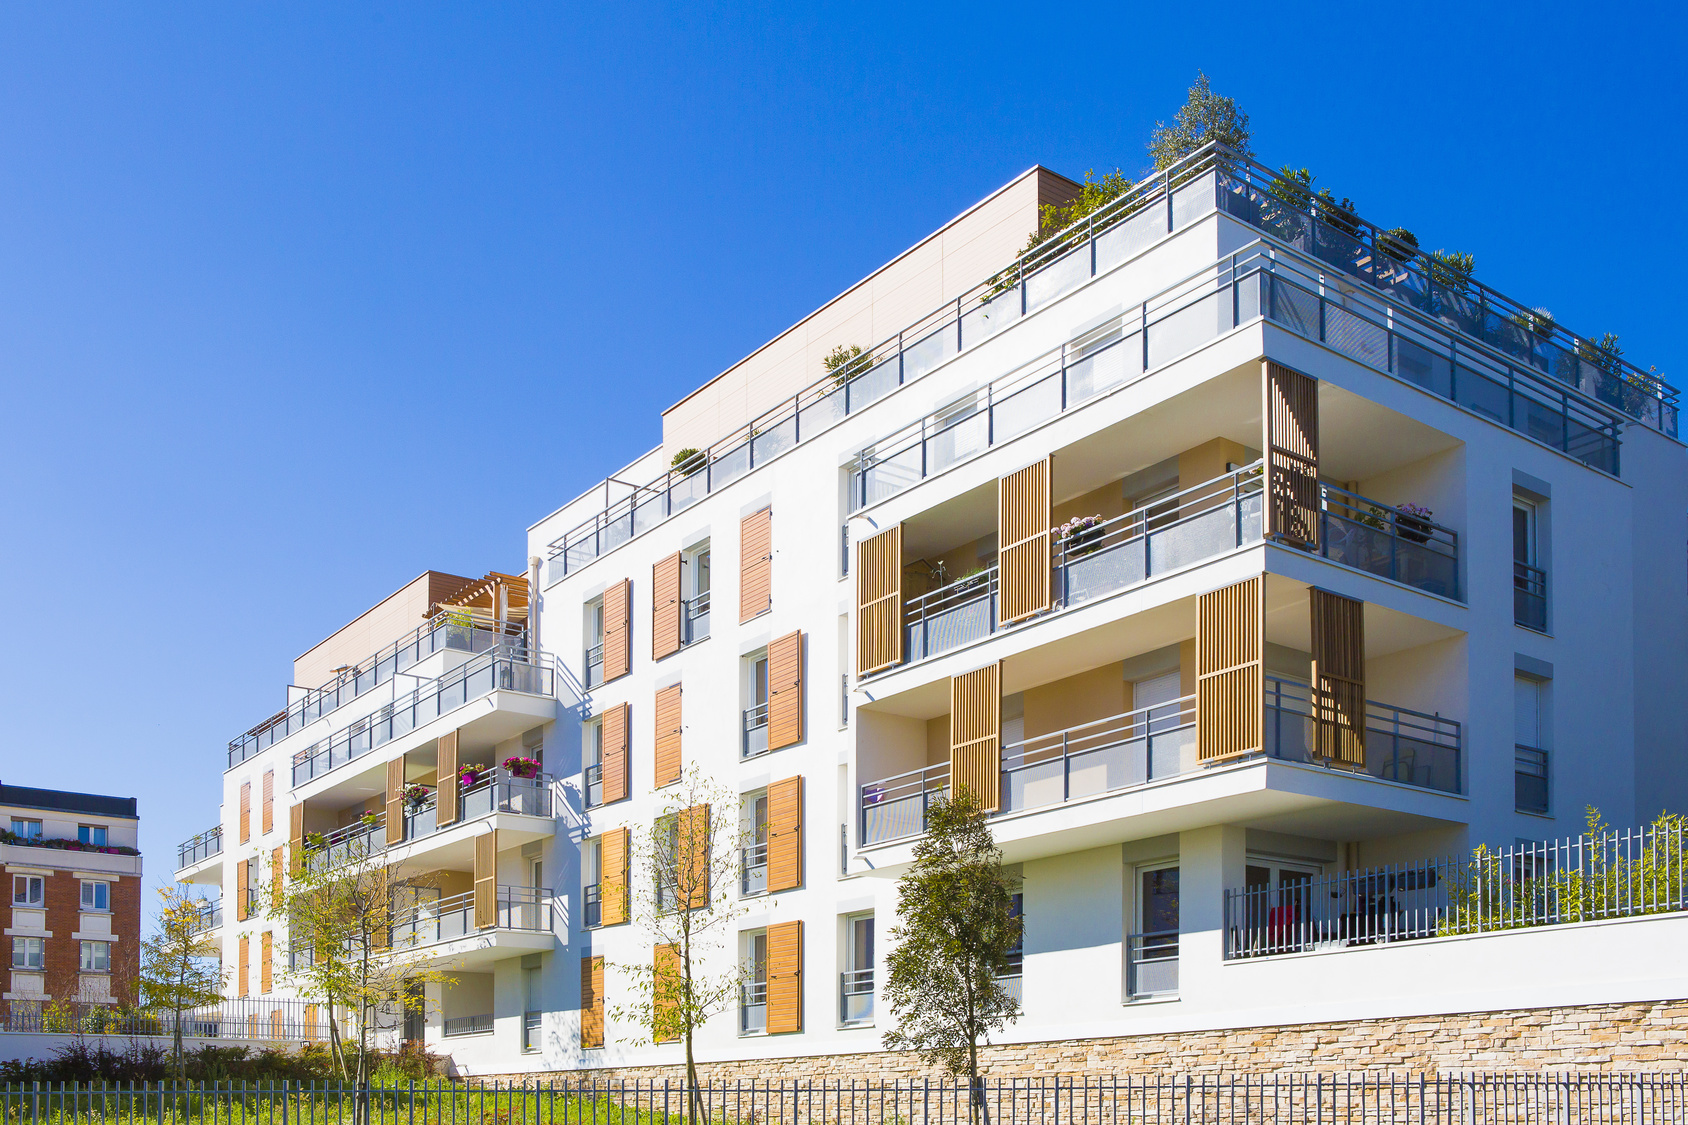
x=486, y=879
x=785, y=691
x=268, y=818
x=879, y=601
x=756, y=564
x=785, y=978
x=668, y=763
x=785, y=834
x=617, y=732
x=976, y=735
x=591, y=1002
x=245, y=812
x=1230, y=686
x=1339, y=676
x=667, y=610
x=1291, y=411
x=446, y=796
x=618, y=630
x=395, y=801
x=1025, y=570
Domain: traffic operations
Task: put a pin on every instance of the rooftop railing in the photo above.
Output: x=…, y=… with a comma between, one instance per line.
x=1455, y=313
x=498, y=669
x=203, y=846
x=514, y=908
x=456, y=630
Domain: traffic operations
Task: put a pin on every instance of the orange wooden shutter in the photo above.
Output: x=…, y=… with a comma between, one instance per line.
x=309, y=1020
x=785, y=977
x=486, y=880
x=666, y=607
x=245, y=811
x=243, y=965
x=296, y=836
x=976, y=735
x=695, y=847
x=1339, y=676
x=277, y=882
x=616, y=734
x=241, y=892
x=1025, y=567
x=668, y=763
x=445, y=798
x=1230, y=632
x=591, y=1002
x=785, y=834
x=612, y=876
x=1291, y=409
x=618, y=629
x=266, y=953
x=756, y=563
x=665, y=961
x=879, y=601
x=268, y=818
x=395, y=801
x=785, y=691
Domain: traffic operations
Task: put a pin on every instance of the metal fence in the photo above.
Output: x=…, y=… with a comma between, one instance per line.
x=1357, y=1098
x=251, y=1018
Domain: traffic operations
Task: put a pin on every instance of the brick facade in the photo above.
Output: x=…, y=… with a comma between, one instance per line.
x=63, y=901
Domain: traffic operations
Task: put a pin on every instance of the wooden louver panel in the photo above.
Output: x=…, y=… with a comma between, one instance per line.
x=756, y=564
x=785, y=978
x=591, y=1002
x=976, y=735
x=785, y=834
x=278, y=883
x=1291, y=410
x=1025, y=565
x=616, y=732
x=618, y=629
x=486, y=880
x=268, y=819
x=666, y=607
x=243, y=965
x=612, y=877
x=879, y=601
x=668, y=763
x=266, y=960
x=296, y=836
x=1339, y=677
x=785, y=691
x=395, y=801
x=665, y=993
x=694, y=847
x=242, y=891
x=445, y=799
x=245, y=811
x=1230, y=630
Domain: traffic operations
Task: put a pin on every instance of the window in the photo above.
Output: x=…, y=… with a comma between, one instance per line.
x=591, y=878
x=1278, y=912
x=594, y=629
x=96, y=956
x=1529, y=781
x=94, y=834
x=28, y=890
x=1157, y=697
x=668, y=863
x=1529, y=580
x=29, y=953
x=1016, y=956
x=855, y=988
x=592, y=755
x=753, y=995
x=28, y=829
x=96, y=895
x=254, y=874
x=754, y=860
x=1152, y=952
x=756, y=705
x=695, y=624
x=533, y=1020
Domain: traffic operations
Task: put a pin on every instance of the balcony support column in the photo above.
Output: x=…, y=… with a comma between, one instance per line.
x=1210, y=860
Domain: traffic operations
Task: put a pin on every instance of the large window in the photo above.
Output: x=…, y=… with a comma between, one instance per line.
x=96, y=895
x=93, y=834
x=1530, y=791
x=1529, y=577
x=1152, y=952
x=696, y=579
x=594, y=632
x=855, y=992
x=28, y=890
x=753, y=994
x=755, y=704
x=29, y=953
x=96, y=956
x=592, y=760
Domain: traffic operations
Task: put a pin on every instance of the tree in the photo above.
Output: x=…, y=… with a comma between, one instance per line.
x=957, y=928
x=180, y=969
x=1204, y=118
x=682, y=873
x=349, y=951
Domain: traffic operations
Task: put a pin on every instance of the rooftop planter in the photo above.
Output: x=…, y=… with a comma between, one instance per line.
x=63, y=845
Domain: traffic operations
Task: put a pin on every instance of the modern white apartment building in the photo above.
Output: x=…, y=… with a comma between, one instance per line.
x=1224, y=549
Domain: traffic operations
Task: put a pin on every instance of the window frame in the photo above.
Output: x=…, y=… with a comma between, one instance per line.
x=103, y=891
x=95, y=947
x=39, y=902
x=86, y=833
x=29, y=828
x=26, y=944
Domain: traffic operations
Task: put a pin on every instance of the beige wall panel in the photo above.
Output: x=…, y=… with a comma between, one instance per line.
x=1084, y=698
x=383, y=623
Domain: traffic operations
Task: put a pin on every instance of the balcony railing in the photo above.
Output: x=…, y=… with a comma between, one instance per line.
x=496, y=670
x=516, y=908
x=1529, y=596
x=697, y=617
x=1529, y=779
x=594, y=778
x=592, y=906
x=755, y=730
x=209, y=917
x=1379, y=539
x=250, y=1018
x=595, y=665
x=468, y=1025
x=855, y=996
x=753, y=869
x=753, y=1007
x=203, y=846
x=1401, y=744
x=1151, y=964
x=455, y=630
x=1619, y=874
x=498, y=792
x=347, y=844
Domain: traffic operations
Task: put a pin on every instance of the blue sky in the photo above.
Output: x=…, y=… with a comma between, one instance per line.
x=297, y=301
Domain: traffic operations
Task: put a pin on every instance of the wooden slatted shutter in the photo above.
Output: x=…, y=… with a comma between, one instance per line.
x=693, y=843
x=668, y=726
x=665, y=993
x=976, y=735
x=296, y=837
x=266, y=954
x=1230, y=685
x=879, y=601
x=395, y=801
x=243, y=965
x=785, y=834
x=1291, y=410
x=667, y=608
x=612, y=876
x=618, y=629
x=756, y=564
x=245, y=811
x=785, y=691
x=785, y=978
x=1339, y=677
x=591, y=1002
x=278, y=884
x=446, y=801
x=241, y=891
x=616, y=731
x=268, y=818
x=1025, y=564
x=309, y=1021
x=486, y=880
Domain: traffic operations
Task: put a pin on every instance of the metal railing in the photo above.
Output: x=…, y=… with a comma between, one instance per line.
x=497, y=669
x=498, y=792
x=1529, y=596
x=755, y=730
x=354, y=841
x=592, y=906
x=753, y=868
x=595, y=664
x=593, y=776
x=1151, y=963
x=203, y=846
x=209, y=917
x=1529, y=779
x=456, y=630
x=1412, y=747
x=855, y=996
x=515, y=908
x=753, y=1007
x=1615, y=874
x=533, y=1025
x=249, y=1018
x=467, y=1025
x=696, y=617
x=1381, y=539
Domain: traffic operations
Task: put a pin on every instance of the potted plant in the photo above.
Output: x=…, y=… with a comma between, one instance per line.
x=369, y=819
x=471, y=776
x=1538, y=321
x=687, y=461
x=416, y=796
x=518, y=766
x=1413, y=523
x=1343, y=216
x=1081, y=535
x=971, y=580
x=315, y=841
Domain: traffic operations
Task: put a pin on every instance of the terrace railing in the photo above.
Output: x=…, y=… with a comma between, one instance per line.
x=855, y=996
x=347, y=844
x=203, y=846
x=249, y=1018
x=498, y=792
x=210, y=917
x=1412, y=747
x=516, y=908
x=498, y=669
x=1383, y=540
x=1615, y=874
x=1151, y=962
x=1529, y=596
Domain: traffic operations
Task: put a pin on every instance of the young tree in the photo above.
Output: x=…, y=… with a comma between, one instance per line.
x=1205, y=117
x=179, y=967
x=956, y=931
x=682, y=876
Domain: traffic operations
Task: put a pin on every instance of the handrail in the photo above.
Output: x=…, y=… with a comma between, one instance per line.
x=203, y=846
x=431, y=922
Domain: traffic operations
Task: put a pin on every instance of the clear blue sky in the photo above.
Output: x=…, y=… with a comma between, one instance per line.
x=301, y=300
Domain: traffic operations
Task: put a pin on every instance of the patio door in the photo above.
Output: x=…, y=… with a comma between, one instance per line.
x=1152, y=952
x=1278, y=911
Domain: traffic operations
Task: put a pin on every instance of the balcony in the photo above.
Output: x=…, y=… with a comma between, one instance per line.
x=1151, y=964
x=516, y=910
x=210, y=917
x=499, y=669
x=201, y=847
x=448, y=630
x=855, y=996
x=497, y=793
